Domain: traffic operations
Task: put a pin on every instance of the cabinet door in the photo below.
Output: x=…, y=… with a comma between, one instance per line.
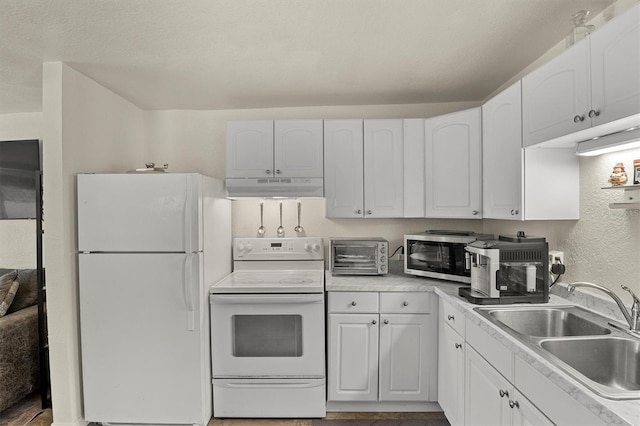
x=249, y=149
x=487, y=393
x=615, y=68
x=353, y=357
x=343, y=168
x=555, y=97
x=298, y=148
x=451, y=374
x=413, y=147
x=383, y=168
x=405, y=357
x=502, y=155
x=453, y=165
x=526, y=414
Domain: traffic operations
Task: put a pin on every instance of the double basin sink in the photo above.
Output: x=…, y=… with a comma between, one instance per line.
x=580, y=342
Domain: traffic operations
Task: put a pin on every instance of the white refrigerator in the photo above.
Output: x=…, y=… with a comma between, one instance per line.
x=150, y=246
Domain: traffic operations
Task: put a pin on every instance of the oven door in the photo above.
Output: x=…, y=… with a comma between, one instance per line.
x=437, y=259
x=276, y=335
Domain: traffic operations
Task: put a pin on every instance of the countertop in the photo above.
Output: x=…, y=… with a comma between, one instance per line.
x=625, y=412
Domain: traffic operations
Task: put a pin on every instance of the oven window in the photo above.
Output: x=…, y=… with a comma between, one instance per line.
x=354, y=257
x=267, y=335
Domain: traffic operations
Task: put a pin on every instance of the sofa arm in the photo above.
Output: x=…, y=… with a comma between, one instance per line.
x=19, y=355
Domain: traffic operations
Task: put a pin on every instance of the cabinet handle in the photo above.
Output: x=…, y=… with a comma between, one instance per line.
x=278, y=171
x=268, y=172
x=504, y=393
x=451, y=318
x=474, y=212
x=593, y=113
x=514, y=404
x=353, y=303
x=358, y=211
x=369, y=212
x=458, y=345
x=374, y=322
x=514, y=212
x=578, y=119
x=405, y=303
x=386, y=321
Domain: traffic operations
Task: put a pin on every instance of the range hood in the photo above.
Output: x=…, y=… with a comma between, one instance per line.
x=275, y=187
x=608, y=137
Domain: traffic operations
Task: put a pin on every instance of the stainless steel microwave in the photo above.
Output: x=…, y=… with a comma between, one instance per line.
x=440, y=254
x=359, y=256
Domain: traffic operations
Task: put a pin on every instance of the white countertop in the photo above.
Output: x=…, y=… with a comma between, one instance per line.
x=625, y=412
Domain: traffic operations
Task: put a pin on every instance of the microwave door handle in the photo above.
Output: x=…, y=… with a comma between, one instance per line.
x=467, y=261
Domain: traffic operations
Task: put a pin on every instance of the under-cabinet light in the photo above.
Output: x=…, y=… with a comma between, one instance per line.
x=618, y=141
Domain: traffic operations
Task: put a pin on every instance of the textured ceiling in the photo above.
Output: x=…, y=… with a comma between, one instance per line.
x=235, y=54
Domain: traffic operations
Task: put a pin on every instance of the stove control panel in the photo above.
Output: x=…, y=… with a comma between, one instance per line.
x=304, y=248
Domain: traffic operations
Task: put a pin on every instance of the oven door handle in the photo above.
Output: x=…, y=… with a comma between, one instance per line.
x=274, y=384
x=267, y=299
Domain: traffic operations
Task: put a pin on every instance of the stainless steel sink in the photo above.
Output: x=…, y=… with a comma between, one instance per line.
x=610, y=362
x=579, y=342
x=547, y=322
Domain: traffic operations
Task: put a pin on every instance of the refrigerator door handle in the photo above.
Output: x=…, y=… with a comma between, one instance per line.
x=187, y=278
x=188, y=200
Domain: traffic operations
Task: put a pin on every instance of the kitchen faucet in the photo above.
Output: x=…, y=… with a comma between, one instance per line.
x=632, y=318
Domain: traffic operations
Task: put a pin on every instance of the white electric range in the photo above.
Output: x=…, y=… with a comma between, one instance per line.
x=267, y=330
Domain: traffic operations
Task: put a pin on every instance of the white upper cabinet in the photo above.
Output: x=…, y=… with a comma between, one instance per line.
x=249, y=149
x=343, y=168
x=286, y=148
x=615, y=68
x=524, y=184
x=413, y=147
x=502, y=155
x=298, y=148
x=593, y=82
x=453, y=165
x=383, y=168
x=363, y=168
x=555, y=97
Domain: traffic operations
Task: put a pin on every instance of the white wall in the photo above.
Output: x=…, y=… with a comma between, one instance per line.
x=18, y=237
x=86, y=128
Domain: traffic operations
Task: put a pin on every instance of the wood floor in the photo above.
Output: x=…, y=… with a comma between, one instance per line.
x=29, y=412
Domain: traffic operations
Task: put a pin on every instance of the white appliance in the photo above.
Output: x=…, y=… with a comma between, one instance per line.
x=150, y=247
x=267, y=330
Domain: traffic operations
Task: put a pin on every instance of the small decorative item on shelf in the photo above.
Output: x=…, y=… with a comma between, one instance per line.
x=636, y=172
x=619, y=176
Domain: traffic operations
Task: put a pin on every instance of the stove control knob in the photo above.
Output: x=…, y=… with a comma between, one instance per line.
x=240, y=248
x=248, y=248
x=311, y=247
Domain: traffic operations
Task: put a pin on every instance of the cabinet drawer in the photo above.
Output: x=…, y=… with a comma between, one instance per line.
x=452, y=317
x=498, y=356
x=406, y=303
x=352, y=302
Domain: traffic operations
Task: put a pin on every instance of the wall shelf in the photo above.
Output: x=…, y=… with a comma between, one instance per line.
x=631, y=197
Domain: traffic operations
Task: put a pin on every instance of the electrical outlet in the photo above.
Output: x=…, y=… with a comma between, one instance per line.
x=555, y=256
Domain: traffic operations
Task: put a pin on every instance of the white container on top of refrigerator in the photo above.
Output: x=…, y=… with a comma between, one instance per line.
x=150, y=246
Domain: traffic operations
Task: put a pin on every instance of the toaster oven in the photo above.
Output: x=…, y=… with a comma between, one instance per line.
x=359, y=256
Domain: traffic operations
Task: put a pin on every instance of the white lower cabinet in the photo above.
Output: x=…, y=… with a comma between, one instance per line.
x=451, y=363
x=482, y=382
x=490, y=399
x=381, y=346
